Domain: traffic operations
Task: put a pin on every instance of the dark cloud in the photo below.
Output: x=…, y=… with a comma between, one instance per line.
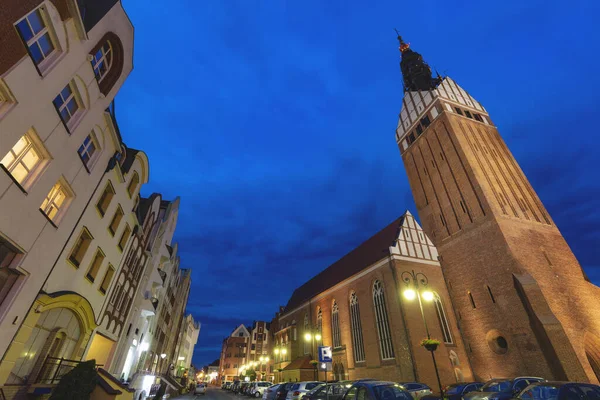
x=275, y=124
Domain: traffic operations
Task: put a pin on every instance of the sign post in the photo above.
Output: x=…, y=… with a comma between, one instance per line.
x=325, y=360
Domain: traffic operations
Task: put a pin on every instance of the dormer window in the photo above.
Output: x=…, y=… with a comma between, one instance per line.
x=102, y=61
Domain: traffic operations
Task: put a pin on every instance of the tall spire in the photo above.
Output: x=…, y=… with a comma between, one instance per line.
x=415, y=71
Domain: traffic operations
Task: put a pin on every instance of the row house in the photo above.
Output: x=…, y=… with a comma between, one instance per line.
x=234, y=354
x=188, y=337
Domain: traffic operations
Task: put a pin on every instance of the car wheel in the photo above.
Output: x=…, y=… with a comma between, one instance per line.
x=257, y=395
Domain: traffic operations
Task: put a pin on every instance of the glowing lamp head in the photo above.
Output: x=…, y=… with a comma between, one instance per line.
x=428, y=295
x=283, y=351
x=261, y=359
x=410, y=294
x=276, y=351
x=307, y=336
x=317, y=337
x=163, y=355
x=266, y=359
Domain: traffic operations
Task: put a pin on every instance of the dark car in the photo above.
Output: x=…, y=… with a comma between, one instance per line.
x=560, y=391
x=282, y=390
x=456, y=391
x=502, y=389
x=416, y=389
x=376, y=390
x=331, y=391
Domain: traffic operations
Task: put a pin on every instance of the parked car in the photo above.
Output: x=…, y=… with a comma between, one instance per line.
x=306, y=395
x=271, y=392
x=299, y=388
x=456, y=391
x=235, y=386
x=502, y=389
x=376, y=390
x=259, y=388
x=560, y=391
x=200, y=389
x=416, y=389
x=331, y=391
x=283, y=390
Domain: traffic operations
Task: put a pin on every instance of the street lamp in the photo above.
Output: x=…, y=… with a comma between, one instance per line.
x=311, y=338
x=413, y=282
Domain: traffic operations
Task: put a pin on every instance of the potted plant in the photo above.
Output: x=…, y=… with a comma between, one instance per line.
x=430, y=344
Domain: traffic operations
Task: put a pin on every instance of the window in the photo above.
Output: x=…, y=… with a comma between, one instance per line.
x=306, y=329
x=57, y=201
x=102, y=61
x=8, y=276
x=124, y=237
x=320, y=321
x=425, y=121
x=356, y=325
x=458, y=110
x=35, y=35
x=114, y=224
x=472, y=300
x=23, y=160
x=80, y=248
x=335, y=326
x=110, y=272
x=381, y=318
x=411, y=138
x=95, y=266
x=441, y=313
x=419, y=130
x=135, y=180
x=491, y=294
x=87, y=150
x=105, y=199
x=468, y=114
x=67, y=104
x=478, y=117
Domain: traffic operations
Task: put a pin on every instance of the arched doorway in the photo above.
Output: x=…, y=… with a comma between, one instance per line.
x=592, y=352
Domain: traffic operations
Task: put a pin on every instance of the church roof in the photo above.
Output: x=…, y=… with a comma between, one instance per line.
x=369, y=252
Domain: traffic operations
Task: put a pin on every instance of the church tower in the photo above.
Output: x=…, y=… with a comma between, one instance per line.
x=523, y=302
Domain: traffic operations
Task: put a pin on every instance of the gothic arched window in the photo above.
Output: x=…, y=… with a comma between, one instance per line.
x=335, y=326
x=320, y=322
x=357, y=337
x=306, y=343
x=383, y=325
x=441, y=313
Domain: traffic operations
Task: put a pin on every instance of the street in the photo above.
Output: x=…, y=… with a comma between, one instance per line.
x=212, y=393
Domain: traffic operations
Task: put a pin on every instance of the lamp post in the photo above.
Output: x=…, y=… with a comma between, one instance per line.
x=414, y=282
x=277, y=351
x=310, y=337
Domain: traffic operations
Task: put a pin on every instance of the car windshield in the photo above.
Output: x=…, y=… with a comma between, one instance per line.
x=316, y=389
x=295, y=386
x=496, y=386
x=454, y=389
x=391, y=392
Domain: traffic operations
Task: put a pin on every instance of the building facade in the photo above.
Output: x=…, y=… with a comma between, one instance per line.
x=355, y=307
x=524, y=303
x=188, y=337
x=258, y=350
x=234, y=354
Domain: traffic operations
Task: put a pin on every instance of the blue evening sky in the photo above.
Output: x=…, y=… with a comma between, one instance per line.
x=274, y=121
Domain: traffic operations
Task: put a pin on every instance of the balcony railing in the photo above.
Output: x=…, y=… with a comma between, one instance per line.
x=55, y=368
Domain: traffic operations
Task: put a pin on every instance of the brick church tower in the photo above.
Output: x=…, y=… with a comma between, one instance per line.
x=523, y=302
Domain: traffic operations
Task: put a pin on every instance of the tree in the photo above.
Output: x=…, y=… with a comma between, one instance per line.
x=79, y=383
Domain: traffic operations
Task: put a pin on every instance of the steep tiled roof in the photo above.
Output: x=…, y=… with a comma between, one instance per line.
x=300, y=363
x=369, y=252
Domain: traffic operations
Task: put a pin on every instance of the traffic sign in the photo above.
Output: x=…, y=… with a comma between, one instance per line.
x=325, y=354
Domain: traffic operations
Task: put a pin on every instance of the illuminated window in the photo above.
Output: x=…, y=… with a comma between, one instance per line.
x=114, y=224
x=441, y=313
x=306, y=330
x=33, y=30
x=105, y=198
x=320, y=321
x=102, y=61
x=381, y=319
x=335, y=326
x=24, y=160
x=356, y=324
x=133, y=184
x=110, y=272
x=124, y=237
x=88, y=149
x=67, y=105
x=57, y=201
x=80, y=248
x=95, y=265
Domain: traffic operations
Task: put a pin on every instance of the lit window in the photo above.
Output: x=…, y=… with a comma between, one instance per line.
x=66, y=103
x=320, y=322
x=306, y=330
x=102, y=61
x=135, y=180
x=57, y=201
x=34, y=32
x=23, y=160
x=105, y=199
x=356, y=325
x=95, y=266
x=114, y=224
x=124, y=237
x=381, y=319
x=80, y=248
x=88, y=149
x=441, y=313
x=335, y=326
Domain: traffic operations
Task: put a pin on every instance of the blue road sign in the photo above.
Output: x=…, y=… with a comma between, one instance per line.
x=325, y=354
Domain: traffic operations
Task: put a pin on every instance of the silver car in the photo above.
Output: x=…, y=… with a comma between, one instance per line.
x=416, y=389
x=298, y=389
x=270, y=393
